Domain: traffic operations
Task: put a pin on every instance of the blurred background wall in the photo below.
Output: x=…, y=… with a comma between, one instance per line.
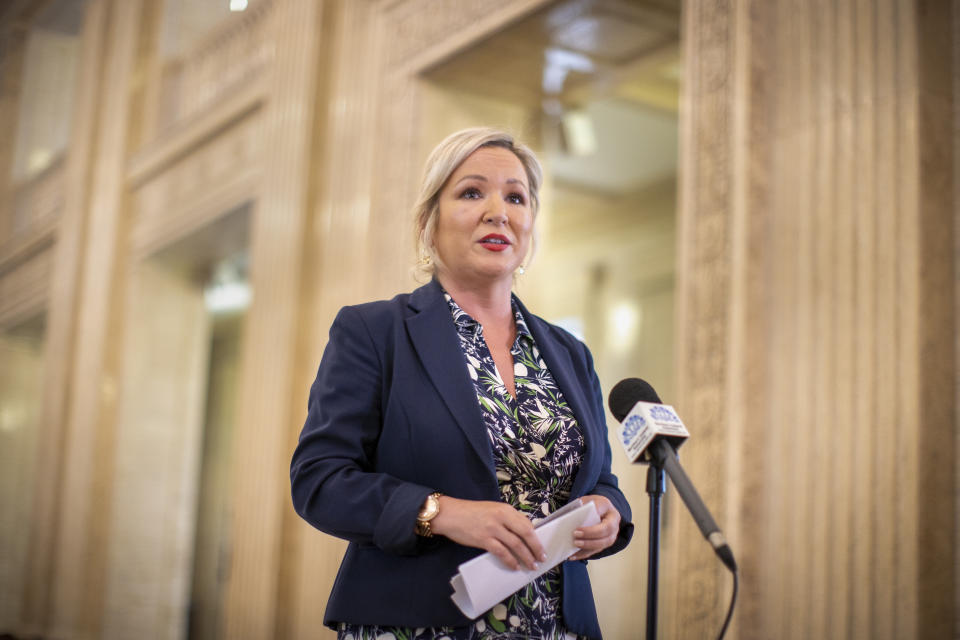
x=752, y=204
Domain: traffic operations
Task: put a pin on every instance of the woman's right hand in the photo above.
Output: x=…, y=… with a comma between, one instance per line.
x=493, y=526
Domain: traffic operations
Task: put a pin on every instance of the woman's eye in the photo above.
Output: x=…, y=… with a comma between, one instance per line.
x=516, y=198
x=472, y=193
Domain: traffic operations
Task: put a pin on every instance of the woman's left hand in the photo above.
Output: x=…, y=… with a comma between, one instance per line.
x=594, y=539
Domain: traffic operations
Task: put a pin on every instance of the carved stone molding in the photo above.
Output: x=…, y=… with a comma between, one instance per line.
x=704, y=292
x=24, y=290
x=234, y=54
x=411, y=32
x=198, y=187
x=39, y=201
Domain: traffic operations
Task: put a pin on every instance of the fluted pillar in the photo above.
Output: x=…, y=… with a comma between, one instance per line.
x=338, y=264
x=79, y=550
x=60, y=317
x=816, y=337
x=273, y=326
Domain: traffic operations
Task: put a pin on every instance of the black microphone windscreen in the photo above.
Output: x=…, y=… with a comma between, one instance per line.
x=627, y=393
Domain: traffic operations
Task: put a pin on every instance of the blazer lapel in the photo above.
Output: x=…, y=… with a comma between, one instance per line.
x=435, y=340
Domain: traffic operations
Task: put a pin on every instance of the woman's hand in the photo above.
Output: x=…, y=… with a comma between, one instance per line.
x=494, y=526
x=591, y=540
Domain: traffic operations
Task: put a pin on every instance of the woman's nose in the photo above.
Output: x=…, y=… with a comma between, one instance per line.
x=496, y=212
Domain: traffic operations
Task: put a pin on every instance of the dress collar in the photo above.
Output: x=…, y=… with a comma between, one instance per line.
x=469, y=327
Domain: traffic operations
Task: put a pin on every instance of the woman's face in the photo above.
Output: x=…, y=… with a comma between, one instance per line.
x=485, y=220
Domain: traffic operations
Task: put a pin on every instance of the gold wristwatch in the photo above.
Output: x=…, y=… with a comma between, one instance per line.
x=429, y=511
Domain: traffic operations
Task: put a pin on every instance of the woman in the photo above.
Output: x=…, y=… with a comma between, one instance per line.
x=442, y=422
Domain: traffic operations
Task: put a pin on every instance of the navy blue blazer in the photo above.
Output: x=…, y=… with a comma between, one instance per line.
x=392, y=417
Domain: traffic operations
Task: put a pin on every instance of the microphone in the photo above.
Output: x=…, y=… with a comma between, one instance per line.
x=652, y=430
x=643, y=418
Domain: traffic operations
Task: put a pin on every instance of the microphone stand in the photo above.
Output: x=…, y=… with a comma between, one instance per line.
x=655, y=486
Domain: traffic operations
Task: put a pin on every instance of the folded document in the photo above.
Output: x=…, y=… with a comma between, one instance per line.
x=484, y=581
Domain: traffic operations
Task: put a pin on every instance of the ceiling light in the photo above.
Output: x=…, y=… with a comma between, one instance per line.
x=578, y=134
x=227, y=297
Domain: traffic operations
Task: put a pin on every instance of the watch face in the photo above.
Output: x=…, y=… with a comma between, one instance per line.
x=430, y=509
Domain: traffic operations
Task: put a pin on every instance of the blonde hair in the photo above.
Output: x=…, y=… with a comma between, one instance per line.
x=442, y=162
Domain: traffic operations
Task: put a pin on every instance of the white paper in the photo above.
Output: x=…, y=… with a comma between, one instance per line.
x=484, y=581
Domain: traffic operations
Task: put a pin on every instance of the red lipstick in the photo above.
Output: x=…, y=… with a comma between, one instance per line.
x=495, y=242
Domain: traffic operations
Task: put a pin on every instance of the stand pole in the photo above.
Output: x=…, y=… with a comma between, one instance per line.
x=655, y=491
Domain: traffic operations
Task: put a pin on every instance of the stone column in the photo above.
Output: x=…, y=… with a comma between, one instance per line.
x=79, y=557
x=60, y=332
x=337, y=262
x=816, y=324
x=272, y=341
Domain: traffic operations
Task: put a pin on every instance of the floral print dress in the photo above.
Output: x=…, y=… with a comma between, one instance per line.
x=537, y=448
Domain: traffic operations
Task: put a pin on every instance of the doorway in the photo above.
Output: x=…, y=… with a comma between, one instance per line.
x=21, y=388
x=171, y=516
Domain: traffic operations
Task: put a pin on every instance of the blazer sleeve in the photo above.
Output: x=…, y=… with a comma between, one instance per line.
x=333, y=476
x=607, y=484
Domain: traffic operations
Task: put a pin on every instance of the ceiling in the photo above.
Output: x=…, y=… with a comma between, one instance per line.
x=608, y=69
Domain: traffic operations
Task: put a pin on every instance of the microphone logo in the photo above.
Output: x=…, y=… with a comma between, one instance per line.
x=631, y=427
x=664, y=413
